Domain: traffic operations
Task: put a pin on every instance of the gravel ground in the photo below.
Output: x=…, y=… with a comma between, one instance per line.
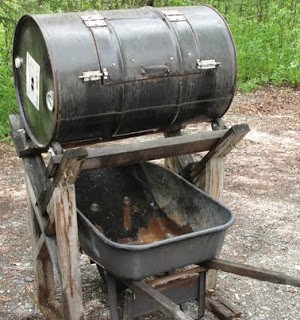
x=262, y=189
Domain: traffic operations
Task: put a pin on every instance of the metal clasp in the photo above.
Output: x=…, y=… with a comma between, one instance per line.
x=94, y=75
x=207, y=64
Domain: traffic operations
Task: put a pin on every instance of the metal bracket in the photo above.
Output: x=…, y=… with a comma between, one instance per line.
x=94, y=75
x=218, y=124
x=207, y=64
x=94, y=20
x=174, y=15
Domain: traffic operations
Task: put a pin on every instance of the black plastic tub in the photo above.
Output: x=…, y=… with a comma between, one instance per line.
x=144, y=193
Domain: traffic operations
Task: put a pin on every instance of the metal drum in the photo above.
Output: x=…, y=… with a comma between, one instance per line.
x=101, y=75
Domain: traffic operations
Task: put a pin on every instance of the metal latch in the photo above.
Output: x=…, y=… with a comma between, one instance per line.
x=94, y=20
x=174, y=15
x=94, y=75
x=207, y=64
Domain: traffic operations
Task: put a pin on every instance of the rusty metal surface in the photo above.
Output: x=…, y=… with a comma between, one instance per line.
x=115, y=73
x=157, y=194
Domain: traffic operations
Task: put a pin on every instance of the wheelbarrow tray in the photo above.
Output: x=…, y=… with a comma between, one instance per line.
x=152, y=190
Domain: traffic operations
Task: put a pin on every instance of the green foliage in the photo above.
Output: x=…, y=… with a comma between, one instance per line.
x=267, y=44
x=266, y=34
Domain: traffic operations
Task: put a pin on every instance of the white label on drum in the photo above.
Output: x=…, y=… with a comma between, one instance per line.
x=33, y=80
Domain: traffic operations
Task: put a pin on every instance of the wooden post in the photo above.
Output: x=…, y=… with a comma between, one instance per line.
x=208, y=174
x=63, y=253
x=65, y=218
x=45, y=293
x=67, y=242
x=214, y=185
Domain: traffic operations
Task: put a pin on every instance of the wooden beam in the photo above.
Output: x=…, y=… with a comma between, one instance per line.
x=160, y=281
x=45, y=289
x=218, y=308
x=208, y=174
x=50, y=227
x=164, y=304
x=213, y=185
x=214, y=178
x=36, y=171
x=42, y=222
x=68, y=253
x=69, y=168
x=252, y=272
x=150, y=150
x=24, y=147
x=125, y=154
x=219, y=150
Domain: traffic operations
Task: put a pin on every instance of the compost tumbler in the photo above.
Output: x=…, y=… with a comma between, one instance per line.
x=100, y=75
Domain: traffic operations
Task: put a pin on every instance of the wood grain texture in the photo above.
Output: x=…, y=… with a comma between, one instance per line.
x=253, y=272
x=43, y=267
x=150, y=150
x=68, y=253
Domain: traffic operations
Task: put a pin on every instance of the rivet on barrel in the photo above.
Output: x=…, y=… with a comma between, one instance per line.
x=18, y=62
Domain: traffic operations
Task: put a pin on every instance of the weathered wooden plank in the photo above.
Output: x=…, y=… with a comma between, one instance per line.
x=45, y=289
x=214, y=178
x=24, y=147
x=126, y=154
x=150, y=150
x=252, y=272
x=164, y=304
x=220, y=149
x=16, y=126
x=35, y=170
x=52, y=310
x=50, y=227
x=33, y=165
x=208, y=174
x=67, y=242
x=42, y=222
x=219, y=309
x=222, y=308
x=160, y=281
x=70, y=165
x=214, y=185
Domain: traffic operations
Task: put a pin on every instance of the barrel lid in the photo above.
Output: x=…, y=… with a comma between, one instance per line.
x=34, y=82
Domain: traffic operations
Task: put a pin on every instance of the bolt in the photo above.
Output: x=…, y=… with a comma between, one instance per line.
x=18, y=62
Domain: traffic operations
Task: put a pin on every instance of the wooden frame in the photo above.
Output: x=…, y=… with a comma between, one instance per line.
x=51, y=194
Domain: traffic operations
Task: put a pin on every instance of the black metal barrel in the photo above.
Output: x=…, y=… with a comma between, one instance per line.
x=100, y=75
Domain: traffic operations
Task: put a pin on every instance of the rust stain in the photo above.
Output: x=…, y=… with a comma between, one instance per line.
x=127, y=212
x=159, y=228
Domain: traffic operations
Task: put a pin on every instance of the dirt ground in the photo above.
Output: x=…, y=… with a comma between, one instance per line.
x=262, y=188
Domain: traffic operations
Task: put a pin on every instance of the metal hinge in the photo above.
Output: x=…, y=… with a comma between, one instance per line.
x=94, y=20
x=207, y=64
x=94, y=75
x=174, y=15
